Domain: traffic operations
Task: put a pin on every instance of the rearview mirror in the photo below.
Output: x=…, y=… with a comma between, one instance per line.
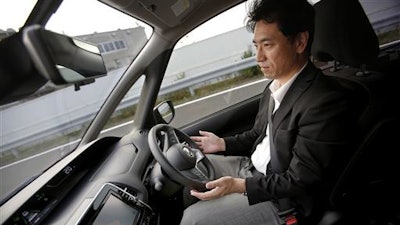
x=34, y=56
x=62, y=59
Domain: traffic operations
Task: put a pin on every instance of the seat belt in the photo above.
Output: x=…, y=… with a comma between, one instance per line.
x=285, y=210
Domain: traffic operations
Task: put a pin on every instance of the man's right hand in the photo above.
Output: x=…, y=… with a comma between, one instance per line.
x=209, y=142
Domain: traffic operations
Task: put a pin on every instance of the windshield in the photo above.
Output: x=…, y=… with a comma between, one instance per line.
x=13, y=15
x=37, y=132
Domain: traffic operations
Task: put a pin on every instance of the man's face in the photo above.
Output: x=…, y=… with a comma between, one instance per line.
x=277, y=56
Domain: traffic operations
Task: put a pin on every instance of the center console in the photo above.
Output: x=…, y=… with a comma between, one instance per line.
x=113, y=205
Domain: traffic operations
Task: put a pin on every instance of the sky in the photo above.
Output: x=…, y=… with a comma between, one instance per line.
x=14, y=12
x=220, y=24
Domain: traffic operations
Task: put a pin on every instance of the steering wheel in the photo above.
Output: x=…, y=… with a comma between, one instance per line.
x=180, y=157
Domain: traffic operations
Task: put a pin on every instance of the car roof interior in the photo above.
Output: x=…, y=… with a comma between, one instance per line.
x=178, y=18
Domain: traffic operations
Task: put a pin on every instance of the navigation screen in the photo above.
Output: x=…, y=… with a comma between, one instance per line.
x=116, y=212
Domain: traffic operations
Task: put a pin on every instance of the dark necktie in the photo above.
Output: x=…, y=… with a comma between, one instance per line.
x=271, y=107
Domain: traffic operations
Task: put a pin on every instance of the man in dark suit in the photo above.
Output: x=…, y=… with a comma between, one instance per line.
x=291, y=161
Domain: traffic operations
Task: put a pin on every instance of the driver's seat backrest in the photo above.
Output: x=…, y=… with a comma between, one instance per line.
x=345, y=39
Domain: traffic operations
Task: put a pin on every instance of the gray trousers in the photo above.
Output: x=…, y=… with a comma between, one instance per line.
x=232, y=209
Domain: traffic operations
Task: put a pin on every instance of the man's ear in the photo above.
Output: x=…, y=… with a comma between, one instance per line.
x=301, y=41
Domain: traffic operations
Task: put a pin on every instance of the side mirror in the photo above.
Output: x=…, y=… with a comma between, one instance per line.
x=164, y=112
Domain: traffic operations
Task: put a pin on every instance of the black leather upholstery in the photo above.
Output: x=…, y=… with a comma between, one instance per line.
x=366, y=189
x=344, y=33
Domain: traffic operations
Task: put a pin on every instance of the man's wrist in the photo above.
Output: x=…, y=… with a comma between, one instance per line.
x=222, y=144
x=240, y=185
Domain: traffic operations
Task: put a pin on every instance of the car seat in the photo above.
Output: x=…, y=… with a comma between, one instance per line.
x=366, y=191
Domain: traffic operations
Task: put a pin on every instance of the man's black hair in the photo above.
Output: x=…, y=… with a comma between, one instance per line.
x=291, y=16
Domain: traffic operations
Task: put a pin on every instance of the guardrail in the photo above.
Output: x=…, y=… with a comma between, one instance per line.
x=82, y=115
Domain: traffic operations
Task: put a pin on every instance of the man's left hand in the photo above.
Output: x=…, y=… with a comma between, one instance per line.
x=220, y=187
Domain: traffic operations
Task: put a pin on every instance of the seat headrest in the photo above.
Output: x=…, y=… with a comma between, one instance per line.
x=343, y=33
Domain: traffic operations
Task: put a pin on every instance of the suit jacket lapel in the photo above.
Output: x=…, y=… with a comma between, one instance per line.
x=302, y=82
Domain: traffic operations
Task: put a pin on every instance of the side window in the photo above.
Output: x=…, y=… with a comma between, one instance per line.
x=209, y=66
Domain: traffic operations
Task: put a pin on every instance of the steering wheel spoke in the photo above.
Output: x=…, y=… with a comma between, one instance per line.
x=196, y=173
x=172, y=138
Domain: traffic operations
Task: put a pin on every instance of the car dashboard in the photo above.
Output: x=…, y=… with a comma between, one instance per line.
x=100, y=184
